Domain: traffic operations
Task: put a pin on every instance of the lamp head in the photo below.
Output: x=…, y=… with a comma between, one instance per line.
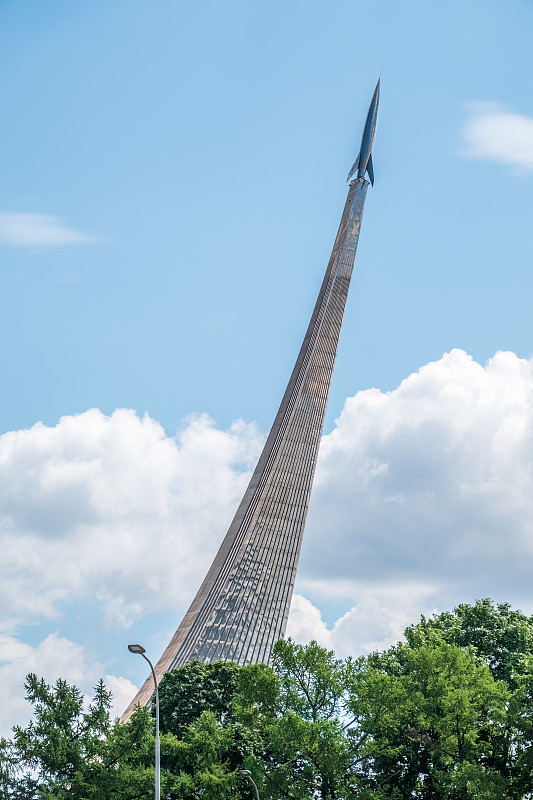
x=136, y=648
x=245, y=772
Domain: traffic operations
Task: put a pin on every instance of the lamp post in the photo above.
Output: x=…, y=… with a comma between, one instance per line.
x=138, y=649
x=248, y=774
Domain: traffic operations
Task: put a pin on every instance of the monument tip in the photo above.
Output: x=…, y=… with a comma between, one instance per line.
x=363, y=163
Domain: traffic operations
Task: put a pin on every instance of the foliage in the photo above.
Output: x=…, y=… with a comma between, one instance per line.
x=66, y=752
x=503, y=637
x=200, y=761
x=206, y=743
x=445, y=715
x=436, y=738
x=308, y=751
x=185, y=693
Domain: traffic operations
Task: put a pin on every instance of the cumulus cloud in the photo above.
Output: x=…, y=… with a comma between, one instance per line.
x=376, y=620
x=39, y=231
x=112, y=508
x=54, y=657
x=122, y=693
x=423, y=499
x=424, y=496
x=493, y=133
x=106, y=508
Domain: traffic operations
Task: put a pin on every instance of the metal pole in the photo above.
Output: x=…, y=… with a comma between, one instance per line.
x=157, y=748
x=248, y=774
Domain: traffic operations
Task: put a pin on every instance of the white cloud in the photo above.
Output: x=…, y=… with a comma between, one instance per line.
x=107, y=509
x=39, y=231
x=423, y=498
x=54, y=657
x=122, y=693
x=495, y=134
x=306, y=624
x=378, y=619
x=110, y=507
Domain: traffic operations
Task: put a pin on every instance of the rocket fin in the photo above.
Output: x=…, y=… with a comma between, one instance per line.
x=353, y=169
x=370, y=169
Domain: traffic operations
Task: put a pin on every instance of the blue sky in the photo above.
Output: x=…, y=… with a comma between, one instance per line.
x=172, y=179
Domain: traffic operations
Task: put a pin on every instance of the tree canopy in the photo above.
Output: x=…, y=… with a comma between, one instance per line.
x=66, y=752
x=446, y=714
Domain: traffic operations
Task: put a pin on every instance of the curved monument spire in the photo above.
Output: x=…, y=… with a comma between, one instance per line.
x=242, y=606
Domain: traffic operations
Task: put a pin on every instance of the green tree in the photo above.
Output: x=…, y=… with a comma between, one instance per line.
x=301, y=713
x=425, y=719
x=503, y=638
x=445, y=715
x=440, y=717
x=284, y=724
x=66, y=752
x=200, y=762
x=187, y=692
x=206, y=742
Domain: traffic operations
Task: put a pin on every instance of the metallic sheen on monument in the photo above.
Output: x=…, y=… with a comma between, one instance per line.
x=363, y=162
x=241, y=608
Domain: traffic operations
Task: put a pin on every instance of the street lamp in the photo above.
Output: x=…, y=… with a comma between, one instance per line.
x=248, y=774
x=139, y=650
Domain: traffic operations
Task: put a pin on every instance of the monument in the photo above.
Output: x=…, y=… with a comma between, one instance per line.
x=242, y=606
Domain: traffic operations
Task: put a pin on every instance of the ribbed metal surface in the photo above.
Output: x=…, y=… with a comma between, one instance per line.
x=241, y=609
